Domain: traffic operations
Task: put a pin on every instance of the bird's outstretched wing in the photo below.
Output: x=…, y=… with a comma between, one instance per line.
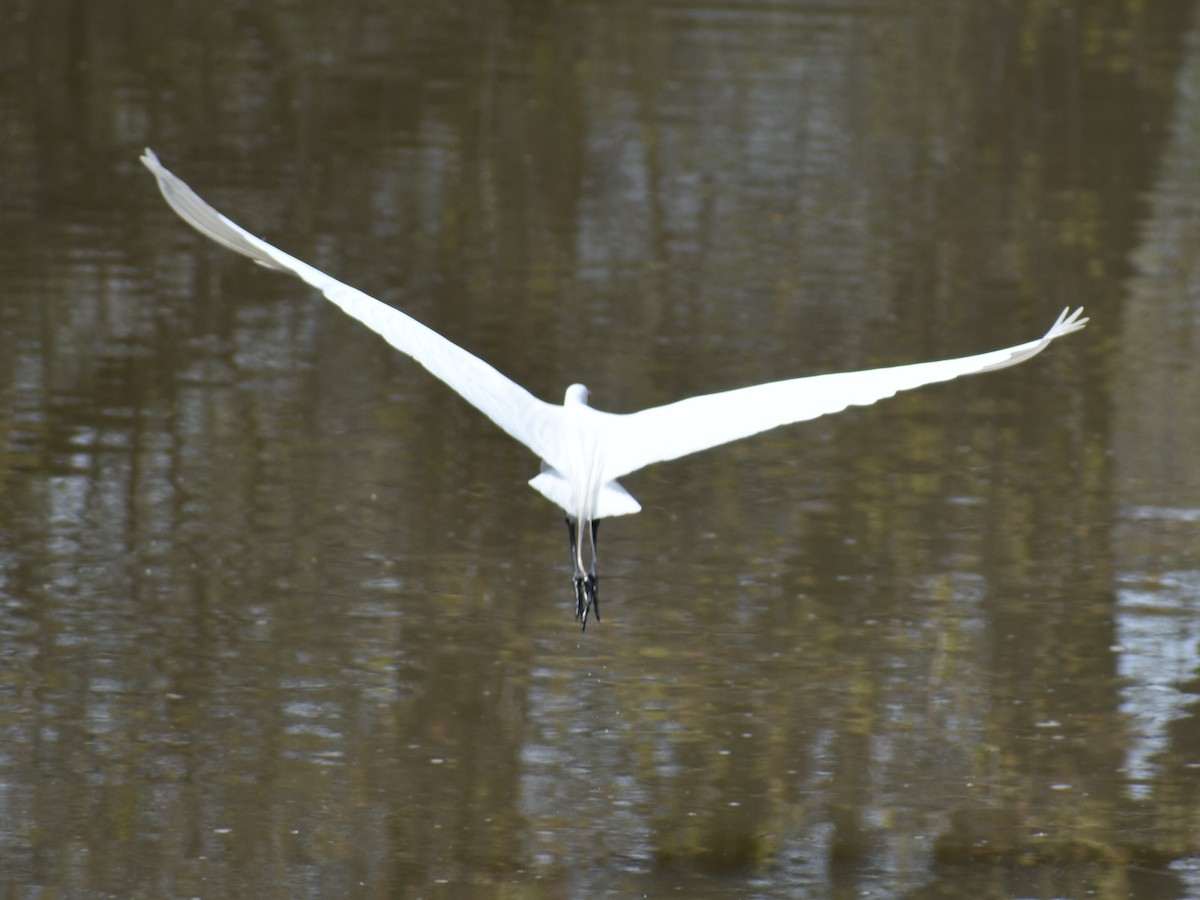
x=677, y=429
x=531, y=421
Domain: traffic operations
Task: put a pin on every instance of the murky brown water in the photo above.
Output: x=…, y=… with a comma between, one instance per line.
x=278, y=615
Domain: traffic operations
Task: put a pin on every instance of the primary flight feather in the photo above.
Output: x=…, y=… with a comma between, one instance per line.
x=584, y=450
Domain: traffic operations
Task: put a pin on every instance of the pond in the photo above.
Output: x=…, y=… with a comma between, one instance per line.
x=279, y=616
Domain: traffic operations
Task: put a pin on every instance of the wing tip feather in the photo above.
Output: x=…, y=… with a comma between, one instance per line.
x=1068, y=321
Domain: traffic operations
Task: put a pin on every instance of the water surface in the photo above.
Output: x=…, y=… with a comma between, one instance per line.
x=278, y=615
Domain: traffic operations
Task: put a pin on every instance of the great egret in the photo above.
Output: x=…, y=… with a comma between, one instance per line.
x=583, y=450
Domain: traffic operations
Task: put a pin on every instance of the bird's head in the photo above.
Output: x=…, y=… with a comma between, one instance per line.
x=577, y=394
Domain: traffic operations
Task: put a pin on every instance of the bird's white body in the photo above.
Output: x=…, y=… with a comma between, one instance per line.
x=577, y=477
x=583, y=450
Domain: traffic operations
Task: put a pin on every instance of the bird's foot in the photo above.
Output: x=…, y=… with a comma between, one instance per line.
x=587, y=598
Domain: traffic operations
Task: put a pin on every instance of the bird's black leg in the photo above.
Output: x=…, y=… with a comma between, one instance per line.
x=587, y=585
x=593, y=580
x=580, y=605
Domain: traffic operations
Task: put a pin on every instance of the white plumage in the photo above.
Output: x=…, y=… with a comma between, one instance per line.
x=584, y=450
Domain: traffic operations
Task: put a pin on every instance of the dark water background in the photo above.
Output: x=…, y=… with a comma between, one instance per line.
x=278, y=616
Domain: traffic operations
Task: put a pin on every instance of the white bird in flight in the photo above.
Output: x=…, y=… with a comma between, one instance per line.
x=583, y=450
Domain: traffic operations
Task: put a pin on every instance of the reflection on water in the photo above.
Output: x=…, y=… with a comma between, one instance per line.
x=1157, y=476
x=1159, y=638
x=280, y=617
